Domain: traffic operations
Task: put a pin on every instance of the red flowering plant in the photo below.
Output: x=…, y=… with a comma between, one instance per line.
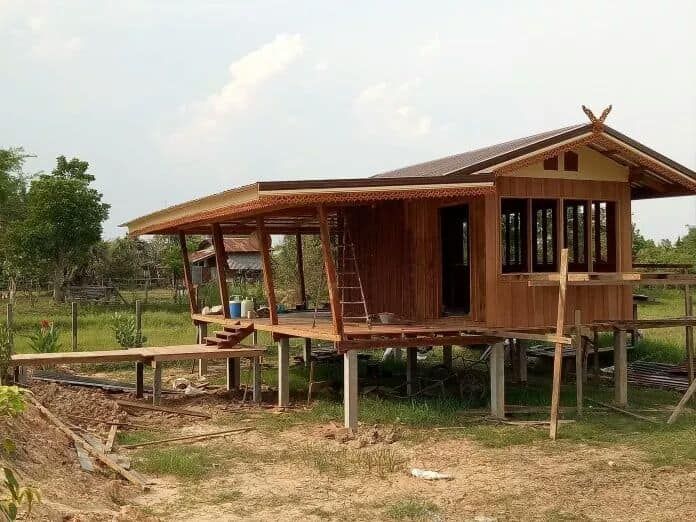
x=45, y=339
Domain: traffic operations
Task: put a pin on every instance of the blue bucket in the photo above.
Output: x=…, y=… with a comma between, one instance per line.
x=235, y=309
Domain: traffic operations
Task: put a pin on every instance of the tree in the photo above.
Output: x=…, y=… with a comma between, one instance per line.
x=285, y=270
x=12, y=202
x=63, y=221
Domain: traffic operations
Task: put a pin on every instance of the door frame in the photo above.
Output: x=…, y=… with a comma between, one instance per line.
x=472, y=259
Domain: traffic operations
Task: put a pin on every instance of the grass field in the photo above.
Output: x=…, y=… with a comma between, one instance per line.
x=167, y=323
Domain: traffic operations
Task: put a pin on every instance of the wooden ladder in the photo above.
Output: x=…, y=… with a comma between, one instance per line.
x=353, y=302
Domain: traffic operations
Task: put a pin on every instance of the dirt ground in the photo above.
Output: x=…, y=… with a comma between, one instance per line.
x=300, y=473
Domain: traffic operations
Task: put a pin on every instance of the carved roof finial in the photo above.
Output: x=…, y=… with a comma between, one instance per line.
x=597, y=123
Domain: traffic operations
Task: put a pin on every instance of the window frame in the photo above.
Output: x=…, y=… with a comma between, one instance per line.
x=547, y=204
x=611, y=263
x=523, y=231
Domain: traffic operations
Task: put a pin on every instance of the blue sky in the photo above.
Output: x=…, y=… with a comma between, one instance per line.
x=171, y=100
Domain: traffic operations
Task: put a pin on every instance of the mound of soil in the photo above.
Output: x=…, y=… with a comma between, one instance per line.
x=44, y=457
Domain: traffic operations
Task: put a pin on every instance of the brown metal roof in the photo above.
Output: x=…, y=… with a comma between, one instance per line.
x=232, y=245
x=465, y=160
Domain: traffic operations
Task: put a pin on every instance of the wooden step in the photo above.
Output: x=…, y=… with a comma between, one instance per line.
x=225, y=334
x=211, y=341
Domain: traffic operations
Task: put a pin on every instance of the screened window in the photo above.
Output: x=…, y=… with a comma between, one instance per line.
x=513, y=235
x=544, y=230
x=551, y=163
x=570, y=161
x=604, y=236
x=575, y=233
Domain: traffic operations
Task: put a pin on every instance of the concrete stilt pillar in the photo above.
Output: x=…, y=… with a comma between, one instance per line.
x=497, y=369
x=620, y=369
x=350, y=389
x=411, y=368
x=157, y=383
x=256, y=378
x=284, y=372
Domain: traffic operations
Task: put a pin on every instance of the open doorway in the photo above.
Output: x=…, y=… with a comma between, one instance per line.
x=456, y=262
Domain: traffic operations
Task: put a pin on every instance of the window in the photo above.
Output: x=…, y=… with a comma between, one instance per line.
x=604, y=236
x=575, y=233
x=513, y=234
x=544, y=231
x=551, y=163
x=570, y=161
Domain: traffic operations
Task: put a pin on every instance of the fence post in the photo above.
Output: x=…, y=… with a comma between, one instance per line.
x=11, y=339
x=73, y=310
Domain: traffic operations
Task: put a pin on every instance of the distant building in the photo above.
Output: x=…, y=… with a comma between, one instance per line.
x=243, y=260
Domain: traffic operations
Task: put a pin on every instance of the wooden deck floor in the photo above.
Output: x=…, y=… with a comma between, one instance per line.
x=459, y=331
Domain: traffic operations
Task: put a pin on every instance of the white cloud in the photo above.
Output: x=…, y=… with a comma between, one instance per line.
x=384, y=108
x=247, y=75
x=48, y=44
x=321, y=66
x=430, y=47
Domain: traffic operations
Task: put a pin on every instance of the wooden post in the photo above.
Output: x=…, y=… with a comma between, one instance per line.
x=232, y=373
x=330, y=267
x=634, y=332
x=300, y=271
x=283, y=372
x=689, y=310
x=522, y=354
x=579, y=361
x=157, y=383
x=256, y=378
x=350, y=390
x=514, y=359
x=447, y=357
x=139, y=379
x=497, y=369
x=220, y=264
x=620, y=369
x=411, y=367
x=188, y=281
x=267, y=270
x=558, y=352
x=595, y=359
x=73, y=314
x=139, y=318
x=307, y=351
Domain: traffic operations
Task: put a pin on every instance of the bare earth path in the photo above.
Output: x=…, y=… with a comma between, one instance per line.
x=540, y=481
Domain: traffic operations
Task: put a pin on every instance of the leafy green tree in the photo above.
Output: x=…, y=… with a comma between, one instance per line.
x=63, y=221
x=285, y=270
x=12, y=203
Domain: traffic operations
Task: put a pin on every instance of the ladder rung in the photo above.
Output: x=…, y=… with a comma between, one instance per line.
x=352, y=302
x=355, y=317
x=349, y=287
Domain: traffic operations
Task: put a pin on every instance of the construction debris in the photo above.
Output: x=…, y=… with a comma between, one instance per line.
x=195, y=438
x=165, y=409
x=77, y=440
x=430, y=475
x=620, y=410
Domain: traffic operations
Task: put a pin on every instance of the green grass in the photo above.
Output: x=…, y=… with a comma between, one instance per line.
x=378, y=461
x=412, y=509
x=184, y=462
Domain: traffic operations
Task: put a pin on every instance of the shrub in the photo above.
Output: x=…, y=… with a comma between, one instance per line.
x=11, y=401
x=126, y=332
x=45, y=340
x=16, y=496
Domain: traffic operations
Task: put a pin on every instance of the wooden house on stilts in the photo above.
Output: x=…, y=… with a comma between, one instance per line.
x=465, y=249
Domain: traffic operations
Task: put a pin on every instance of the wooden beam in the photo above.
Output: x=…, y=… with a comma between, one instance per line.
x=688, y=311
x=411, y=369
x=689, y=392
x=221, y=263
x=579, y=361
x=330, y=267
x=267, y=269
x=300, y=270
x=188, y=281
x=558, y=355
